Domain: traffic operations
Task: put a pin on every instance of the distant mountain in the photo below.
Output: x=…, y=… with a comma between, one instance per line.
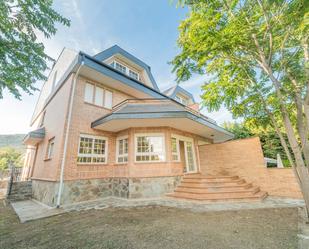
x=14, y=140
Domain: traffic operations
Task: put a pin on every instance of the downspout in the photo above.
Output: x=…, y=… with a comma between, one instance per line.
x=67, y=136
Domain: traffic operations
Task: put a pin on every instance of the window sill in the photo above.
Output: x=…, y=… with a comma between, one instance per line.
x=47, y=159
x=141, y=162
x=99, y=106
x=91, y=164
x=120, y=164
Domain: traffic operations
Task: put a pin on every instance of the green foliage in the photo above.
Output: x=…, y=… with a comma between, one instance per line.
x=254, y=53
x=9, y=154
x=223, y=38
x=22, y=58
x=270, y=141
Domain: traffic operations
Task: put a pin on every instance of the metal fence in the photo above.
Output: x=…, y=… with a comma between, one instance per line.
x=4, y=174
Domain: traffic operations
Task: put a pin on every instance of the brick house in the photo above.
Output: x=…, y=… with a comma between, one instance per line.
x=101, y=127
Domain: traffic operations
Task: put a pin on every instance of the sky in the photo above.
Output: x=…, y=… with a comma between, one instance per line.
x=146, y=29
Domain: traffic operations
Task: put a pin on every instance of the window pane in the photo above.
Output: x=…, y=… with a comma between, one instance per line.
x=174, y=145
x=108, y=101
x=120, y=67
x=125, y=146
x=88, y=97
x=133, y=74
x=150, y=148
x=99, y=147
x=99, y=96
x=85, y=145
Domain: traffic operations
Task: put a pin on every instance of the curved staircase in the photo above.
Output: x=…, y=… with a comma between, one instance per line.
x=217, y=189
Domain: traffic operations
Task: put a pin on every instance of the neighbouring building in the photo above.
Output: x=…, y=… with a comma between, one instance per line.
x=101, y=127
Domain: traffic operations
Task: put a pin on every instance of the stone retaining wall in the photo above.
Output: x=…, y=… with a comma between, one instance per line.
x=45, y=191
x=92, y=189
x=20, y=191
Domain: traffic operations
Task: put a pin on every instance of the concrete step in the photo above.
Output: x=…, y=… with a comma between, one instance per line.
x=240, y=183
x=217, y=190
x=231, y=197
x=222, y=195
x=213, y=181
x=209, y=177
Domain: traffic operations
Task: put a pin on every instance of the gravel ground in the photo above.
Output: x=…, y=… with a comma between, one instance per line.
x=153, y=227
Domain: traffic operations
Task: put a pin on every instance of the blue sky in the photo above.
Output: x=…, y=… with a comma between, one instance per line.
x=147, y=29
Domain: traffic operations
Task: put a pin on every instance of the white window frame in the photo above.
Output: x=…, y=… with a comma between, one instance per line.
x=50, y=148
x=104, y=101
x=92, y=155
x=162, y=135
x=130, y=70
x=182, y=100
x=194, y=149
x=120, y=64
x=117, y=150
x=177, y=153
x=127, y=69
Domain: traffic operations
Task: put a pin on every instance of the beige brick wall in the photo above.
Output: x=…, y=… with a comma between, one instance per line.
x=244, y=157
x=54, y=123
x=82, y=116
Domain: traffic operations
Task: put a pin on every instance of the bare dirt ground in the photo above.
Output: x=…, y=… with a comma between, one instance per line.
x=153, y=227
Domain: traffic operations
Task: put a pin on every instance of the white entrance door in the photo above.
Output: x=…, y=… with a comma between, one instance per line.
x=190, y=157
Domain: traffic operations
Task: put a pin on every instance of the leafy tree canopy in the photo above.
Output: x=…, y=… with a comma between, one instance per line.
x=22, y=58
x=10, y=155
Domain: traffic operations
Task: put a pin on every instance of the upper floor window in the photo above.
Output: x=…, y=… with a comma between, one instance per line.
x=182, y=100
x=92, y=149
x=50, y=148
x=120, y=67
x=133, y=74
x=122, y=150
x=98, y=96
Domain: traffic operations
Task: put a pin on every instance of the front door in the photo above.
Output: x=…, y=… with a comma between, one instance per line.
x=190, y=157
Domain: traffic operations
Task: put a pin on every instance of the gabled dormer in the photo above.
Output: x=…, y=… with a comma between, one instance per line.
x=180, y=95
x=127, y=64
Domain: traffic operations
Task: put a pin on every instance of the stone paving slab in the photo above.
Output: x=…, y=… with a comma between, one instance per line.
x=270, y=202
x=32, y=210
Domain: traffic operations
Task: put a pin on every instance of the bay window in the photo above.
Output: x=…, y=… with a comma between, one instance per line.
x=149, y=148
x=175, y=149
x=122, y=150
x=92, y=149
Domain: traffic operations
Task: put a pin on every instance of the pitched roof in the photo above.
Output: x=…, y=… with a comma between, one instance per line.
x=172, y=91
x=107, y=53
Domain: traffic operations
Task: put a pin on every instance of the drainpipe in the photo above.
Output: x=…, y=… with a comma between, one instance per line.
x=67, y=136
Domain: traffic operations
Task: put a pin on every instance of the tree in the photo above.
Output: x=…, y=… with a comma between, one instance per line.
x=10, y=155
x=22, y=58
x=257, y=54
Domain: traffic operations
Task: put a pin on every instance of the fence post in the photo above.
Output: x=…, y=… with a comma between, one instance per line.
x=12, y=170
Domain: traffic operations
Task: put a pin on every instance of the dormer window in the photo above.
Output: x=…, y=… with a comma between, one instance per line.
x=133, y=74
x=121, y=68
x=182, y=100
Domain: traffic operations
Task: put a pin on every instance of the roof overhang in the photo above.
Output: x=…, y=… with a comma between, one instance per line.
x=181, y=120
x=101, y=72
x=34, y=137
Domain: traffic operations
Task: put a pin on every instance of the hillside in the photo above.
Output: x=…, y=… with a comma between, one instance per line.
x=14, y=140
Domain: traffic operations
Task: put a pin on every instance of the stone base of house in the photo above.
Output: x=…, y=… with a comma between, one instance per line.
x=91, y=189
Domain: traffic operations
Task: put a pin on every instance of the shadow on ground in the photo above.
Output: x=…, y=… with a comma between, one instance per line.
x=153, y=227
